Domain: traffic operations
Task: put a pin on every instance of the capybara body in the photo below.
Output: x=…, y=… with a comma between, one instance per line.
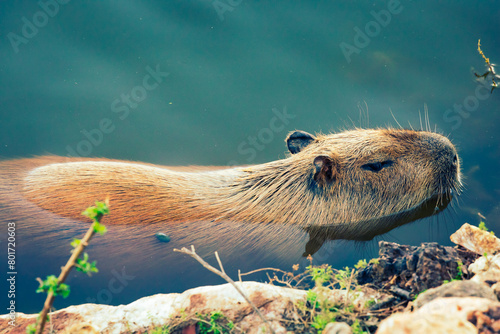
x=350, y=185
x=349, y=181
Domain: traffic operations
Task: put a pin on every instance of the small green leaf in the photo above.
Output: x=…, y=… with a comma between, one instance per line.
x=99, y=228
x=31, y=329
x=482, y=226
x=361, y=264
x=312, y=298
x=63, y=290
x=84, y=266
x=50, y=285
x=101, y=208
x=76, y=242
x=90, y=212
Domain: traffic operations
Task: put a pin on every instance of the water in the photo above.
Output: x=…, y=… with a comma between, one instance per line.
x=229, y=74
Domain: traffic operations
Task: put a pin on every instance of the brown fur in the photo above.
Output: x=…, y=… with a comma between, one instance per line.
x=325, y=183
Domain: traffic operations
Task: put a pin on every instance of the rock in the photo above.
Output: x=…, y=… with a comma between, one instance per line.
x=476, y=240
x=170, y=309
x=337, y=328
x=175, y=309
x=442, y=315
x=410, y=268
x=486, y=322
x=487, y=270
x=80, y=329
x=162, y=237
x=456, y=289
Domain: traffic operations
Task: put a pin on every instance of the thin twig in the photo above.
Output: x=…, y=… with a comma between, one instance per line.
x=349, y=287
x=218, y=260
x=262, y=269
x=300, y=281
x=222, y=274
x=64, y=274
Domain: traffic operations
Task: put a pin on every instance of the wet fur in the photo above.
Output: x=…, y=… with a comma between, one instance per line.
x=322, y=183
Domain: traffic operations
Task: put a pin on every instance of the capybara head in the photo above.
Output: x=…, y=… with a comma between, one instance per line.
x=366, y=175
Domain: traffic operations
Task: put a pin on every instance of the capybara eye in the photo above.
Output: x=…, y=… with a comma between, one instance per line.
x=377, y=166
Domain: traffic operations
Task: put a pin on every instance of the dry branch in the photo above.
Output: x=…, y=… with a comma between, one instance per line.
x=223, y=274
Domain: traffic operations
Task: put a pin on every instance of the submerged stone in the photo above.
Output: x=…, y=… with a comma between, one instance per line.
x=162, y=237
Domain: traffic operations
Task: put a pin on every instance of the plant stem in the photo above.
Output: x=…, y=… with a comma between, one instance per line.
x=64, y=274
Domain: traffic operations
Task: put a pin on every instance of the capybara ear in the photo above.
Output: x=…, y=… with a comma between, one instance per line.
x=325, y=170
x=297, y=140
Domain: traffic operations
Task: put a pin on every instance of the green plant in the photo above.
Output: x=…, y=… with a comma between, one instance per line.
x=369, y=303
x=357, y=329
x=214, y=323
x=84, y=266
x=460, y=273
x=312, y=299
x=321, y=320
x=323, y=305
x=320, y=275
x=183, y=314
x=54, y=286
x=343, y=277
x=361, y=264
x=31, y=328
x=482, y=227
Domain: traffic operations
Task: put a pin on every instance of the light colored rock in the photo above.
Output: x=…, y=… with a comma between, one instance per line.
x=442, y=315
x=163, y=309
x=456, y=289
x=173, y=309
x=486, y=269
x=476, y=240
x=337, y=328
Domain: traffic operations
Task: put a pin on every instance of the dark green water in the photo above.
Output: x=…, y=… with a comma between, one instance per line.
x=200, y=82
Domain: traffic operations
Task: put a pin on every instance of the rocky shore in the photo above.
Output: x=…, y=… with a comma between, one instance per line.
x=407, y=289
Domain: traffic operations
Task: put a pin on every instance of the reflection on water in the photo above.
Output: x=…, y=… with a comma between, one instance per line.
x=319, y=235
